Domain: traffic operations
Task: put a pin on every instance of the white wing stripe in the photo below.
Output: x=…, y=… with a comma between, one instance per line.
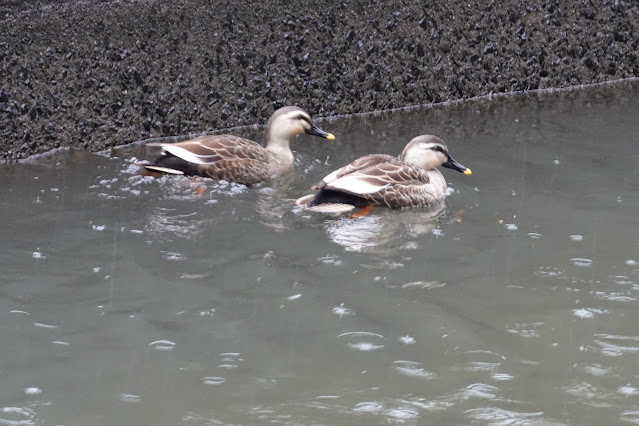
x=187, y=155
x=355, y=184
x=331, y=177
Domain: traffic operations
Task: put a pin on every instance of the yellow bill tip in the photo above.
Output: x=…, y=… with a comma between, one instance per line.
x=468, y=172
x=330, y=136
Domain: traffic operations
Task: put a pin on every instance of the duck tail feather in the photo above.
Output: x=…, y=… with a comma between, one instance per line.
x=152, y=168
x=331, y=208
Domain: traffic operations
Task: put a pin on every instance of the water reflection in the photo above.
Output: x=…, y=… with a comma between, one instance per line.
x=384, y=231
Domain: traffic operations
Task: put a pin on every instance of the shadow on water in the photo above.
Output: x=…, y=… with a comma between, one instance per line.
x=128, y=299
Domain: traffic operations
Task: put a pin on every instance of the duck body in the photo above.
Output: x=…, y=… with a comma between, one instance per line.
x=383, y=180
x=237, y=159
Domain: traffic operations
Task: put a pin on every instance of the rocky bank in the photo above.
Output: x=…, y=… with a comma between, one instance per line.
x=96, y=74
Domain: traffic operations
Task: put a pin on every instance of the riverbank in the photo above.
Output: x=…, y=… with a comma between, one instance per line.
x=100, y=74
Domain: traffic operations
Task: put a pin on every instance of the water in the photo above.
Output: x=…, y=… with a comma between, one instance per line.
x=132, y=300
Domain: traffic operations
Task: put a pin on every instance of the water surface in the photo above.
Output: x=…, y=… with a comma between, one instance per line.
x=133, y=300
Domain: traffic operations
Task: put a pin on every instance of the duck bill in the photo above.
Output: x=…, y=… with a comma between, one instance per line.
x=316, y=131
x=453, y=164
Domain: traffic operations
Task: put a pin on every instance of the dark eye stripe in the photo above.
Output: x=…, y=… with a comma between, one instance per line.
x=303, y=118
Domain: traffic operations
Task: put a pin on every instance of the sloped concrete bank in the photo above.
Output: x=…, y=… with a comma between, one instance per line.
x=98, y=74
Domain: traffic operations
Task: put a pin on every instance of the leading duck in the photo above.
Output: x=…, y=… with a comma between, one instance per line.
x=383, y=180
x=237, y=159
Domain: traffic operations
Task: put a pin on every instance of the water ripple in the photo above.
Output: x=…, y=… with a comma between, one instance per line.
x=500, y=416
x=363, y=340
x=413, y=369
x=162, y=345
x=581, y=261
x=631, y=416
x=17, y=416
x=617, y=345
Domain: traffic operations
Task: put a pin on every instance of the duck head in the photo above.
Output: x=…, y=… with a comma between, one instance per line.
x=290, y=121
x=430, y=152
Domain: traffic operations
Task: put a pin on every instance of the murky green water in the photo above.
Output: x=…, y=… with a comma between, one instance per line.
x=133, y=300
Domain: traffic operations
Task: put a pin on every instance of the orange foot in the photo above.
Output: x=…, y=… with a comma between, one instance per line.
x=197, y=187
x=363, y=212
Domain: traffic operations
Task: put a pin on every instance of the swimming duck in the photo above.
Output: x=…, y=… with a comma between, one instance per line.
x=384, y=180
x=237, y=159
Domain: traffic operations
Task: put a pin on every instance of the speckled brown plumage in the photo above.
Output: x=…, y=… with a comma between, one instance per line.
x=237, y=159
x=383, y=180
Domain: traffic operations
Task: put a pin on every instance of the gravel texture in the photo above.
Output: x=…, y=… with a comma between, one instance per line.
x=97, y=74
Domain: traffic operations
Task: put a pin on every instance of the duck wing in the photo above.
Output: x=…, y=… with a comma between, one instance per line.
x=206, y=150
x=225, y=157
x=357, y=165
x=374, y=174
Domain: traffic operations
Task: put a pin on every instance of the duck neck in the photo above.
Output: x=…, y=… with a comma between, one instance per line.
x=280, y=147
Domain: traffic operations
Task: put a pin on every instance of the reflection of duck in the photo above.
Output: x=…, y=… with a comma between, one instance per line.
x=384, y=233
x=236, y=159
x=383, y=180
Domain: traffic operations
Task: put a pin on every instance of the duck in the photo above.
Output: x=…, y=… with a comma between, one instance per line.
x=236, y=159
x=412, y=180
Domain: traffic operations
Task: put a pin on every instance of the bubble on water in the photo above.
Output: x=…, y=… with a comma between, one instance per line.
x=597, y=370
x=365, y=346
x=32, y=391
x=583, y=313
x=555, y=161
x=174, y=256
x=402, y=414
x=591, y=311
x=342, y=310
x=628, y=390
x=576, y=237
x=407, y=340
